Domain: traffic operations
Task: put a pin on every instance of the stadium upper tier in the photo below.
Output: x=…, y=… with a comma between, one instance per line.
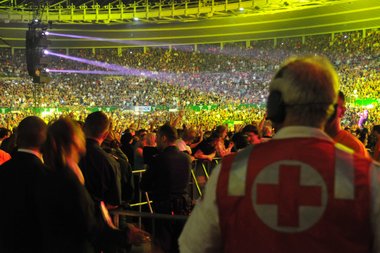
x=140, y=24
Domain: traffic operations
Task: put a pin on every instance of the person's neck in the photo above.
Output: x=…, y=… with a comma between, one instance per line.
x=168, y=145
x=290, y=123
x=171, y=144
x=97, y=140
x=35, y=151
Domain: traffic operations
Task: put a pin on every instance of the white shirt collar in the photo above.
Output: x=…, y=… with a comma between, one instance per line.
x=301, y=132
x=38, y=154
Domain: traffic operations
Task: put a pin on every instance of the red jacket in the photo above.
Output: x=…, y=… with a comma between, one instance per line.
x=311, y=197
x=4, y=156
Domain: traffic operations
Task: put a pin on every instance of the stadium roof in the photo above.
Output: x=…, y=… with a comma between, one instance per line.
x=123, y=24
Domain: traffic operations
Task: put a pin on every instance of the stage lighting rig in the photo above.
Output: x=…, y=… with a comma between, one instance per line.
x=36, y=43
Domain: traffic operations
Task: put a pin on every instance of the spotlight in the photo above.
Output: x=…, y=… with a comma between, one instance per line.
x=47, y=70
x=135, y=19
x=46, y=51
x=241, y=9
x=46, y=33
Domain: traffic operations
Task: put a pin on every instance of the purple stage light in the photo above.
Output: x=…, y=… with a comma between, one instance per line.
x=95, y=72
x=94, y=63
x=162, y=76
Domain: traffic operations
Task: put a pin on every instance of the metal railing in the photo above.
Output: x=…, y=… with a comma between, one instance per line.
x=201, y=169
x=153, y=217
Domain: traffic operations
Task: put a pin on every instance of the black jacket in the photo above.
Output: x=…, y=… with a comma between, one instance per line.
x=101, y=173
x=20, y=188
x=168, y=175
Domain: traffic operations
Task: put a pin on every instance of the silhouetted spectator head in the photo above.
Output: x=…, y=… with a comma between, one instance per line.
x=221, y=131
x=65, y=138
x=97, y=125
x=363, y=135
x=31, y=133
x=376, y=129
x=207, y=134
x=166, y=135
x=252, y=133
x=126, y=138
x=213, y=139
x=189, y=135
x=4, y=133
x=150, y=140
x=240, y=140
x=141, y=133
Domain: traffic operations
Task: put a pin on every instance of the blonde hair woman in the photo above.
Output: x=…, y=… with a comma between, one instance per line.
x=73, y=222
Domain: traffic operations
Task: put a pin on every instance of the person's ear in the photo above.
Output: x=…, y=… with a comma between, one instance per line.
x=276, y=111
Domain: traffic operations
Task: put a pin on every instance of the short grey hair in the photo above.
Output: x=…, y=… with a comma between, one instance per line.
x=309, y=87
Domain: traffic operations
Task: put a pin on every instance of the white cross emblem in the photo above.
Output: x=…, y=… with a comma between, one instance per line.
x=289, y=196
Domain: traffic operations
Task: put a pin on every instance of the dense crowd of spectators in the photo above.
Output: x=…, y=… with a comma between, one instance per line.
x=198, y=93
x=180, y=77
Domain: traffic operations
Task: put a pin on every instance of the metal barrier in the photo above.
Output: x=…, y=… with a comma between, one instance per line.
x=141, y=202
x=196, y=182
x=152, y=216
x=117, y=213
x=153, y=222
x=200, y=169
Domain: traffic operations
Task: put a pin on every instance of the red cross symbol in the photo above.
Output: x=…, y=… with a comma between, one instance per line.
x=289, y=195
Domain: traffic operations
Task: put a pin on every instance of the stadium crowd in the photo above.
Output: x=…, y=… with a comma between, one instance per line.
x=214, y=98
x=213, y=76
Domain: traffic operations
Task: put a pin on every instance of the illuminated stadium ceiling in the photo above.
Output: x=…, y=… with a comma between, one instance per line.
x=136, y=24
x=104, y=11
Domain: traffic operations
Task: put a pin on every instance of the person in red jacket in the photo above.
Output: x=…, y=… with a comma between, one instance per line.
x=299, y=192
x=4, y=156
x=335, y=131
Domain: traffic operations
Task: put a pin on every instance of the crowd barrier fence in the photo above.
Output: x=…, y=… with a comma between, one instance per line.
x=200, y=172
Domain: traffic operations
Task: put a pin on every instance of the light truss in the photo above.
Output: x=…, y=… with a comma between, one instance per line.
x=67, y=11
